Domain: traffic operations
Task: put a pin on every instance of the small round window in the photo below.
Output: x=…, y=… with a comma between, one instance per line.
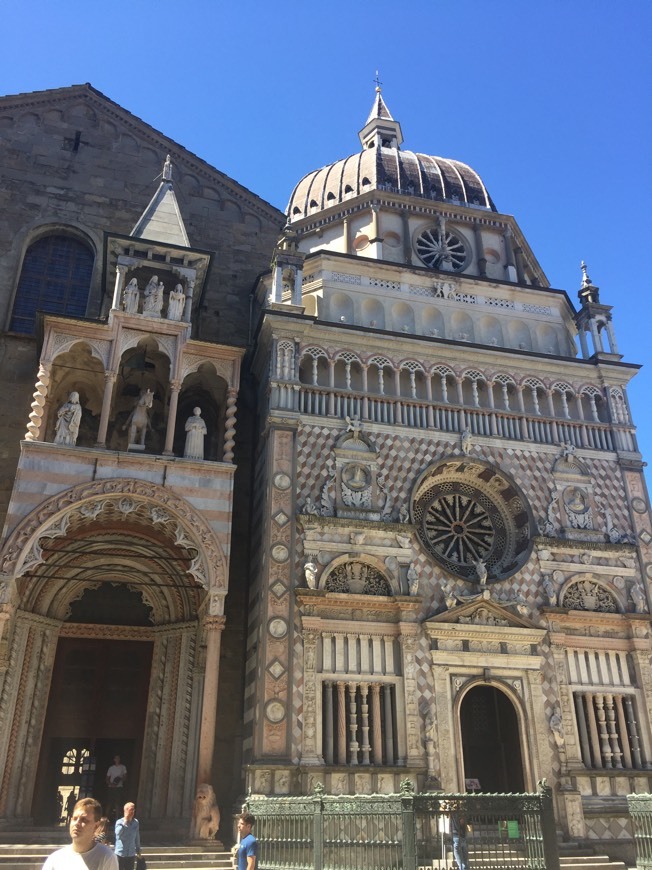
x=439, y=248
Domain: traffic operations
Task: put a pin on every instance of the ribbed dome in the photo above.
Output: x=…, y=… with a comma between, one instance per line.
x=381, y=165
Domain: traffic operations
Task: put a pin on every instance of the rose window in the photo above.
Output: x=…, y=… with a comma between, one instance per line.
x=439, y=248
x=467, y=514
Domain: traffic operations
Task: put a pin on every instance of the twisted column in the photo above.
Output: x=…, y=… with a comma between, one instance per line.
x=40, y=396
x=341, y=723
x=229, y=424
x=364, y=709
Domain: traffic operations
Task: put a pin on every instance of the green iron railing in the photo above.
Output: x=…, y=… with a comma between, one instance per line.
x=405, y=831
x=640, y=810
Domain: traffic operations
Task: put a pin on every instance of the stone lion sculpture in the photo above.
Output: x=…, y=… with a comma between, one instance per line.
x=205, y=813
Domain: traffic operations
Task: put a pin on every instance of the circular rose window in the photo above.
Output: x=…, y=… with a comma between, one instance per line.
x=471, y=518
x=439, y=248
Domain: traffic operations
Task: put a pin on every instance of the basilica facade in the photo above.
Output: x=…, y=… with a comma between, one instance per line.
x=375, y=511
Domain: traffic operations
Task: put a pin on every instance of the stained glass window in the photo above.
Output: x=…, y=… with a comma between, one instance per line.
x=55, y=277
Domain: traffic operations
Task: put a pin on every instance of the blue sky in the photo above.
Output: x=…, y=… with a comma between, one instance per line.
x=549, y=102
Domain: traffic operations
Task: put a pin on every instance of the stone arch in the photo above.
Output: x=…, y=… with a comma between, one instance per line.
x=508, y=690
x=52, y=519
x=587, y=592
x=361, y=575
x=77, y=365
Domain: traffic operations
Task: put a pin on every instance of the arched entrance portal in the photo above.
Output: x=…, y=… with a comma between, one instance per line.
x=116, y=589
x=491, y=743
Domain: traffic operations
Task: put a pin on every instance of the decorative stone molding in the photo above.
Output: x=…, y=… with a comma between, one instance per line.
x=22, y=550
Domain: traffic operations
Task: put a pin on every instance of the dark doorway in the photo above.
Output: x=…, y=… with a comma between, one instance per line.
x=491, y=742
x=96, y=710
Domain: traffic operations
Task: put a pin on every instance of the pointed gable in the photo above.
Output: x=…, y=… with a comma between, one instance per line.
x=161, y=221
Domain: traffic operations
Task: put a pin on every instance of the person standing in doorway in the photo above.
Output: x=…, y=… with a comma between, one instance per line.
x=116, y=778
x=127, y=838
x=83, y=853
x=71, y=800
x=247, y=849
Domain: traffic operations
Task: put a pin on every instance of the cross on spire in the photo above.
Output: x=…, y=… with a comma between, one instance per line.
x=377, y=82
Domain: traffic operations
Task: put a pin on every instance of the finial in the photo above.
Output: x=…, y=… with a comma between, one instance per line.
x=378, y=83
x=586, y=281
x=588, y=291
x=167, y=169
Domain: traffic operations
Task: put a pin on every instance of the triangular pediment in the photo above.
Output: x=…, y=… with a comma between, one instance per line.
x=481, y=612
x=86, y=101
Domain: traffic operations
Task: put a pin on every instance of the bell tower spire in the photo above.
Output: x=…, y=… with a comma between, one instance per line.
x=381, y=130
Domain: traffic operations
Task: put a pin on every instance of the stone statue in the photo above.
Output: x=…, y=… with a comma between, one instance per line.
x=195, y=432
x=404, y=514
x=310, y=571
x=176, y=302
x=557, y=728
x=413, y=580
x=354, y=425
x=153, y=297
x=638, y=598
x=549, y=589
x=311, y=508
x=481, y=572
x=131, y=297
x=68, y=420
x=466, y=441
x=138, y=420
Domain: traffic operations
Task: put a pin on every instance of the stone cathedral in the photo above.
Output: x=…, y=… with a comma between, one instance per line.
x=344, y=496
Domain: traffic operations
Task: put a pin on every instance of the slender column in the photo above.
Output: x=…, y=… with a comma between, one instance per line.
x=633, y=732
x=581, y=725
x=535, y=401
x=444, y=389
x=120, y=274
x=616, y=754
x=510, y=266
x=551, y=403
x=407, y=245
x=353, y=725
x=364, y=709
x=622, y=727
x=229, y=424
x=187, y=308
x=521, y=408
x=479, y=250
x=505, y=393
x=594, y=408
x=341, y=723
x=595, y=335
x=602, y=724
x=175, y=386
x=365, y=397
x=564, y=404
x=277, y=283
x=430, y=416
x=593, y=729
x=331, y=384
x=613, y=347
x=389, y=726
x=327, y=748
x=109, y=381
x=518, y=256
x=583, y=344
x=460, y=391
x=38, y=403
x=346, y=236
x=298, y=286
x=213, y=626
x=377, y=734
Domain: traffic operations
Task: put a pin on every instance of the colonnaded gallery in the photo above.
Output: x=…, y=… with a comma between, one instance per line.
x=347, y=495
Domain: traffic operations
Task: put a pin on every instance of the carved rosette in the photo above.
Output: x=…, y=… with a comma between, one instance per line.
x=39, y=398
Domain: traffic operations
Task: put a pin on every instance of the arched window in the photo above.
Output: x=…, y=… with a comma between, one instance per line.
x=55, y=277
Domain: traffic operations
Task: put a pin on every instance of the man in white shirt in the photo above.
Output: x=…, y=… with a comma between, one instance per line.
x=83, y=853
x=116, y=778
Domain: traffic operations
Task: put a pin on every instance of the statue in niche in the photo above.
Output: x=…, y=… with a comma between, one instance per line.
x=195, y=432
x=638, y=598
x=138, y=421
x=404, y=514
x=153, y=297
x=176, y=302
x=557, y=728
x=466, y=440
x=549, y=589
x=413, y=580
x=310, y=571
x=68, y=420
x=131, y=298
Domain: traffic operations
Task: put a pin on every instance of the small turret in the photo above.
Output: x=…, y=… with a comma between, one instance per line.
x=593, y=319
